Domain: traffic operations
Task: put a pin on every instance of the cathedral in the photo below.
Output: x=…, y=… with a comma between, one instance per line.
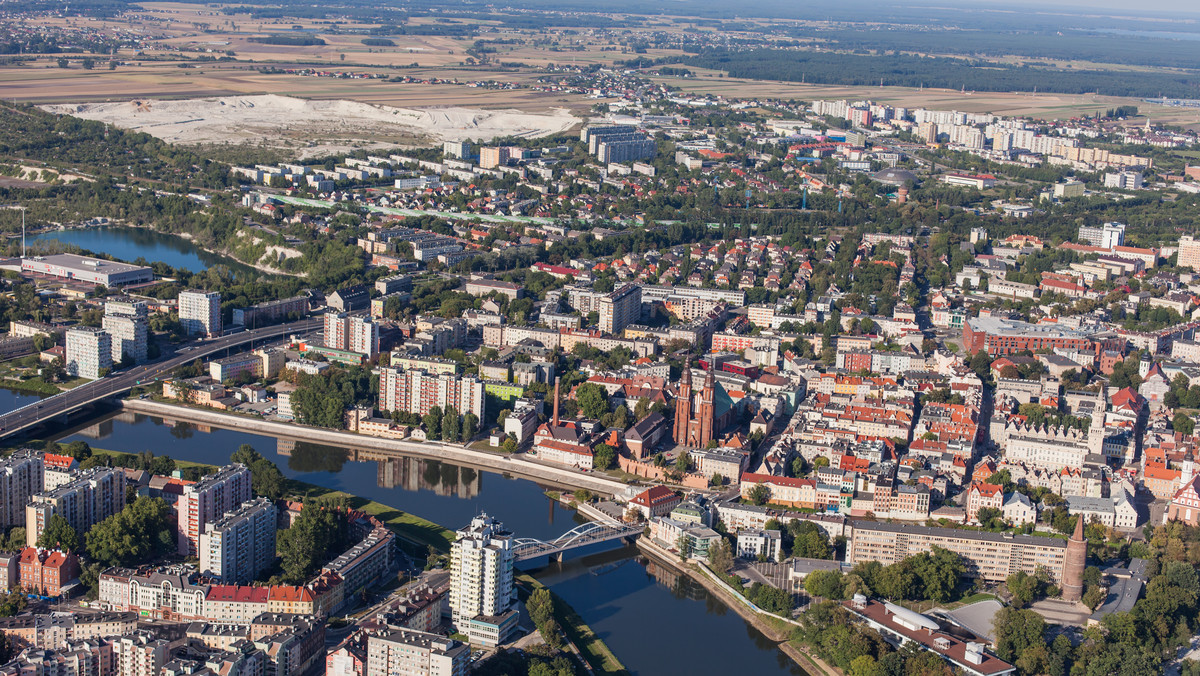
x=700, y=415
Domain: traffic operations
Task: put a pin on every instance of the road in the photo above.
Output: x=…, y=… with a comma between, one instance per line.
x=33, y=414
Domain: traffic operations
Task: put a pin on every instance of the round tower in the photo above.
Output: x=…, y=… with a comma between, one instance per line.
x=1073, y=564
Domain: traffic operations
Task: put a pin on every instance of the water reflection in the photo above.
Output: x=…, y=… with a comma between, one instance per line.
x=131, y=244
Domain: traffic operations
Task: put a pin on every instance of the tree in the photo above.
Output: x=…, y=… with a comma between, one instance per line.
x=132, y=536
x=15, y=541
x=827, y=584
x=310, y=542
x=451, y=425
x=605, y=457
x=990, y=517
x=1017, y=631
x=265, y=478
x=470, y=427
x=758, y=494
x=716, y=480
x=59, y=535
x=1023, y=587
x=720, y=556
x=592, y=399
x=433, y=422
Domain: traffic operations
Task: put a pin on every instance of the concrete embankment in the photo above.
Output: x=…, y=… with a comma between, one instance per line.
x=777, y=629
x=375, y=448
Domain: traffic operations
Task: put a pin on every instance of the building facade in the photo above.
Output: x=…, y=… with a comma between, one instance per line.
x=200, y=313
x=481, y=582
x=89, y=353
x=207, y=501
x=241, y=544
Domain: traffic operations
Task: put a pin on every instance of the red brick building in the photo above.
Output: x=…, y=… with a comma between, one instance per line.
x=47, y=571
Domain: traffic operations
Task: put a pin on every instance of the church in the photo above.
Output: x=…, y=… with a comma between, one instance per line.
x=701, y=415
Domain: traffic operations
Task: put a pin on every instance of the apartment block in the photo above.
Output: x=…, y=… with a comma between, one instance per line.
x=140, y=654
x=620, y=308
x=404, y=651
x=88, y=352
x=241, y=544
x=22, y=474
x=207, y=501
x=200, y=312
x=481, y=582
x=419, y=391
x=97, y=494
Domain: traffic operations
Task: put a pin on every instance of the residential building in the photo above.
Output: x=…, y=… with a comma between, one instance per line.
x=419, y=391
x=620, y=308
x=88, y=352
x=126, y=323
x=140, y=654
x=241, y=544
x=21, y=475
x=207, y=501
x=200, y=312
x=655, y=501
x=404, y=651
x=981, y=495
x=990, y=556
x=753, y=543
x=1189, y=252
x=1106, y=236
x=481, y=582
x=47, y=571
x=95, y=495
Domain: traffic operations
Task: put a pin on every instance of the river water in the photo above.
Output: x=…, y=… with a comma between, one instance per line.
x=11, y=400
x=129, y=244
x=624, y=597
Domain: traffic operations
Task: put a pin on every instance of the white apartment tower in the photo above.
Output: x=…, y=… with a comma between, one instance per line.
x=200, y=312
x=418, y=391
x=620, y=308
x=97, y=494
x=207, y=501
x=481, y=581
x=241, y=544
x=88, y=352
x=22, y=474
x=363, y=336
x=335, y=331
x=140, y=654
x=126, y=324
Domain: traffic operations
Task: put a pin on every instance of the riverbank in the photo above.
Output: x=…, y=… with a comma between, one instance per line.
x=374, y=448
x=591, y=648
x=773, y=627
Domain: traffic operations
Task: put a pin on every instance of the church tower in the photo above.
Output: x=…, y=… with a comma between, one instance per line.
x=1187, y=469
x=1074, y=562
x=707, y=395
x=1095, y=437
x=683, y=406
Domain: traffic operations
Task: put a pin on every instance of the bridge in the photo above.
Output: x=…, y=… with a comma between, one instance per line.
x=590, y=533
x=60, y=405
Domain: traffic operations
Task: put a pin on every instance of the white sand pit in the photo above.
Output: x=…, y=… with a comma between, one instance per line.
x=311, y=127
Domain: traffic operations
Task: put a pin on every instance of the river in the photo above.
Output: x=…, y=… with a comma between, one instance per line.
x=11, y=400
x=129, y=244
x=623, y=596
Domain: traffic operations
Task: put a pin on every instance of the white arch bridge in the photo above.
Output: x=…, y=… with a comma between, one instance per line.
x=583, y=535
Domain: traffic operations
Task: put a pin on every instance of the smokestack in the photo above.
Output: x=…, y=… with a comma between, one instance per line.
x=556, y=381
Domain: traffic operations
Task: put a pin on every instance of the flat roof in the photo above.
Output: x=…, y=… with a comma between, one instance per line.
x=961, y=534
x=86, y=263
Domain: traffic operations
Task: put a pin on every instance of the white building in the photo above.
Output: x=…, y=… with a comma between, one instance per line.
x=140, y=654
x=241, y=544
x=418, y=391
x=88, y=352
x=363, y=336
x=753, y=543
x=127, y=337
x=200, y=312
x=404, y=651
x=21, y=475
x=1105, y=236
x=481, y=582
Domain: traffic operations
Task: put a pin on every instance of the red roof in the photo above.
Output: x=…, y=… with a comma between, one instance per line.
x=989, y=490
x=656, y=495
x=228, y=592
x=61, y=461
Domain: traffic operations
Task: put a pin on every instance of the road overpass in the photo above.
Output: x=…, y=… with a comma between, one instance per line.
x=60, y=405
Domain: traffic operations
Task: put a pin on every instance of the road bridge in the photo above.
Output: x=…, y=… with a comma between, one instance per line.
x=57, y=407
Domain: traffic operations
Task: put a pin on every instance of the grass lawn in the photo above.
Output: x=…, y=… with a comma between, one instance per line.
x=595, y=651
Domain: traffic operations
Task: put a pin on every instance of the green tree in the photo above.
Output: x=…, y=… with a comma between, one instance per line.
x=592, y=399
x=605, y=457
x=470, y=427
x=758, y=494
x=265, y=478
x=1017, y=631
x=316, y=536
x=132, y=536
x=720, y=556
x=826, y=584
x=59, y=535
x=451, y=425
x=433, y=422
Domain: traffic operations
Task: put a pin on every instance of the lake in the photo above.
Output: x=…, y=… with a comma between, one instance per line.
x=129, y=244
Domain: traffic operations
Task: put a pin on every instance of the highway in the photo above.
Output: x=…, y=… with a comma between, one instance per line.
x=33, y=414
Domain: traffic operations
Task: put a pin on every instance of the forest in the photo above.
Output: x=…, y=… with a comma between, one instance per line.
x=945, y=73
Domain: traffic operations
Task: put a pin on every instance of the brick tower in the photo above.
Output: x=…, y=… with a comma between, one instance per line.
x=1073, y=564
x=683, y=406
x=705, y=414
